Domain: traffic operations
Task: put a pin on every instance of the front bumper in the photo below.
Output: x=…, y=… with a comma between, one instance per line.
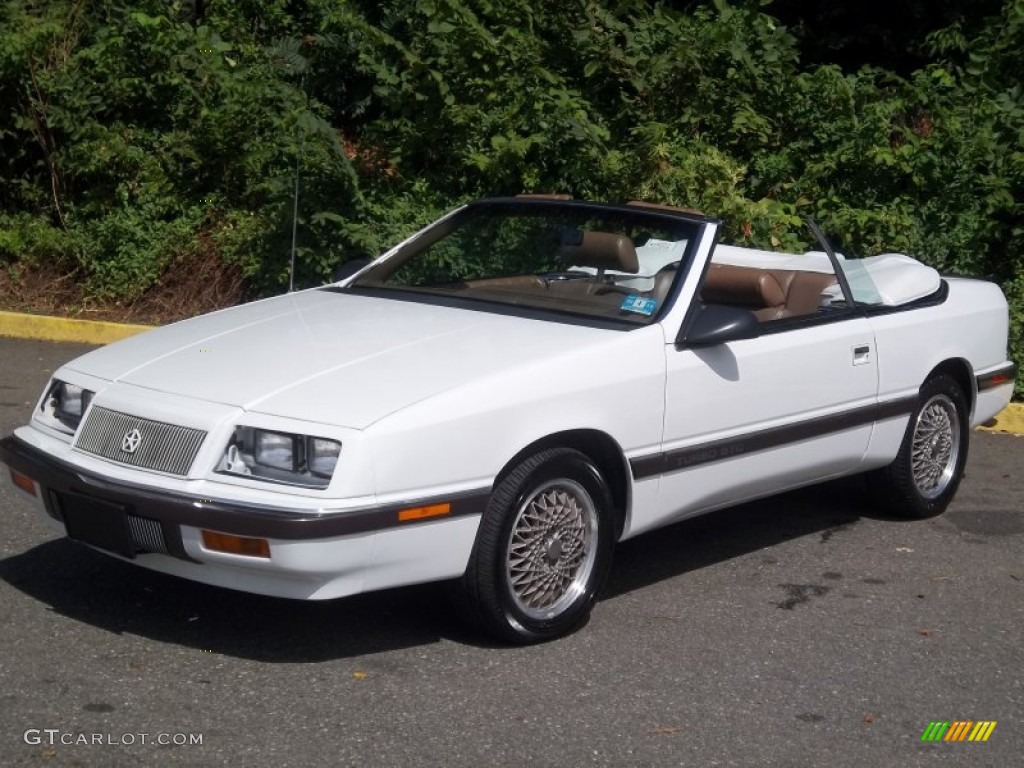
x=314, y=553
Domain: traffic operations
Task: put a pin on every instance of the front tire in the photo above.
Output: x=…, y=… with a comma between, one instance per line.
x=925, y=476
x=543, y=550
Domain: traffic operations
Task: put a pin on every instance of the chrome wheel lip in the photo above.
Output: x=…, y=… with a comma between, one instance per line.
x=556, y=523
x=935, y=446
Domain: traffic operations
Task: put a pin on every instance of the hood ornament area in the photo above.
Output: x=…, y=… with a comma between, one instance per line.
x=131, y=441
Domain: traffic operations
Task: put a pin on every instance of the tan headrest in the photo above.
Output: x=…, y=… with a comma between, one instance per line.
x=603, y=250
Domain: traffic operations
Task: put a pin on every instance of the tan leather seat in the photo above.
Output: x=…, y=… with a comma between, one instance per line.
x=770, y=294
x=753, y=289
x=663, y=282
x=804, y=290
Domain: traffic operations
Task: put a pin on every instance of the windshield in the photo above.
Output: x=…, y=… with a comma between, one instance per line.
x=886, y=279
x=589, y=260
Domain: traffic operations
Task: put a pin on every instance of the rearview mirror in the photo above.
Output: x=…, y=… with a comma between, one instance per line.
x=718, y=324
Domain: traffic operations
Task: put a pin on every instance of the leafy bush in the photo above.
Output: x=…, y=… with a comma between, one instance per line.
x=131, y=133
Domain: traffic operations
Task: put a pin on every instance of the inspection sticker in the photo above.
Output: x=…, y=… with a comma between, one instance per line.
x=634, y=303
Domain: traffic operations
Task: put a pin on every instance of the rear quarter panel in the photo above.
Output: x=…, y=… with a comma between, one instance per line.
x=971, y=325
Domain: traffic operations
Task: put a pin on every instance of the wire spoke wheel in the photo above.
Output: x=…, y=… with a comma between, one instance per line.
x=936, y=446
x=543, y=550
x=550, y=551
x=923, y=478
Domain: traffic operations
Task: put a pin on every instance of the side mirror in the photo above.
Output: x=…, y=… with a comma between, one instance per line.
x=349, y=268
x=718, y=324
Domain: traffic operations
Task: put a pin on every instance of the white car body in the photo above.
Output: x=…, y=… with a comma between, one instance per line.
x=432, y=403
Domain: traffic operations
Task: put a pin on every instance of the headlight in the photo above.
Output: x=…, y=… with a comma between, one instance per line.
x=323, y=455
x=65, y=404
x=276, y=450
x=280, y=457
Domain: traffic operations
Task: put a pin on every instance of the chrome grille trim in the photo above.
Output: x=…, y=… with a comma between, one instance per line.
x=164, y=447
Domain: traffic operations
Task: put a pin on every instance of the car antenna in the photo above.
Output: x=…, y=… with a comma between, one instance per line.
x=295, y=201
x=295, y=226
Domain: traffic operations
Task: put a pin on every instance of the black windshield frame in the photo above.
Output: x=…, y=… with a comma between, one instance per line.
x=541, y=300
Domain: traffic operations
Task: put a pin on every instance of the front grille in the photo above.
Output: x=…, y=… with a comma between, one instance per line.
x=164, y=447
x=147, y=535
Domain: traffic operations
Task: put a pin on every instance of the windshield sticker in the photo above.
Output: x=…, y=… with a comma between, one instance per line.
x=634, y=303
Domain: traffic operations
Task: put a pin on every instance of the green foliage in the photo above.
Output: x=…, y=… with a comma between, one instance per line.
x=135, y=132
x=131, y=133
x=29, y=240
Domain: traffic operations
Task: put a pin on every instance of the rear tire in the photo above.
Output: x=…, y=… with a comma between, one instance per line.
x=925, y=476
x=543, y=550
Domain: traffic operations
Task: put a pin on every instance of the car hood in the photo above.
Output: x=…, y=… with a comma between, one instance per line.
x=329, y=356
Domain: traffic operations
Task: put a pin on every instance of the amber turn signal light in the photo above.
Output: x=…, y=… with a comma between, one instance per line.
x=26, y=483
x=419, y=513
x=236, y=545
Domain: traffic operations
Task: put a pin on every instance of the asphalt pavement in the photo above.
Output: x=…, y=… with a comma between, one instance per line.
x=807, y=630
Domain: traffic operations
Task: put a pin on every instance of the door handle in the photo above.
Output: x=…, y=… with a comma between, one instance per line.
x=862, y=354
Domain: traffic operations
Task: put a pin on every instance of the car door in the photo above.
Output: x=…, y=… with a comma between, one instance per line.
x=755, y=416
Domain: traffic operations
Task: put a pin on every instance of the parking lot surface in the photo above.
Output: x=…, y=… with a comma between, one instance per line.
x=806, y=630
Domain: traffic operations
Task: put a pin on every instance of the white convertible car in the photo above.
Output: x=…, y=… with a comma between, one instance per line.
x=502, y=397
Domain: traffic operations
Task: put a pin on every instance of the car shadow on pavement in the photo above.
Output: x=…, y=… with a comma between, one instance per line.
x=118, y=597
x=704, y=540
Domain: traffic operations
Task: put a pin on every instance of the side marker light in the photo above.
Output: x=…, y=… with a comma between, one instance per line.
x=419, y=513
x=26, y=483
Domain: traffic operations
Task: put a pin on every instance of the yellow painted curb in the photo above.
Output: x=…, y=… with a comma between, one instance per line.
x=64, y=329
x=1010, y=419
